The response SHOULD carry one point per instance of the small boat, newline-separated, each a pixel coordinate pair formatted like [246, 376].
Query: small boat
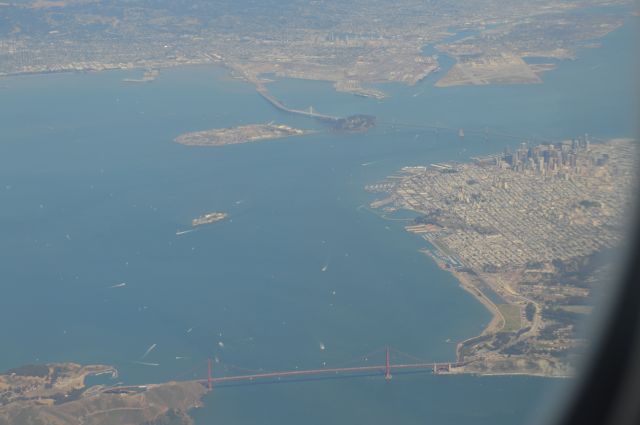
[148, 364]
[149, 350]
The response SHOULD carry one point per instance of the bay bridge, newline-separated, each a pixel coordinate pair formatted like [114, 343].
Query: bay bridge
[262, 90]
[331, 119]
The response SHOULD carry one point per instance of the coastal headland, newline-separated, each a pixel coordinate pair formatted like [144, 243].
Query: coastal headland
[502, 69]
[56, 394]
[525, 232]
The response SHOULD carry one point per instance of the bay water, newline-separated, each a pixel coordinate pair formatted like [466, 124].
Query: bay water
[93, 190]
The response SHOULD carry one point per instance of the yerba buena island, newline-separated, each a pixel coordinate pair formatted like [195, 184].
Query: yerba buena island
[521, 231]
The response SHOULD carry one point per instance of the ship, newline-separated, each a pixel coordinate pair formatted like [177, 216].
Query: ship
[208, 218]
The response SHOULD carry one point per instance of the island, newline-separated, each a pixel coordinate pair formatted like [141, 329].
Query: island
[237, 135]
[529, 233]
[354, 124]
[56, 394]
[208, 218]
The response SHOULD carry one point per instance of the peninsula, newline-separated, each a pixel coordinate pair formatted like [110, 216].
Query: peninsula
[525, 232]
[56, 394]
[237, 135]
[502, 69]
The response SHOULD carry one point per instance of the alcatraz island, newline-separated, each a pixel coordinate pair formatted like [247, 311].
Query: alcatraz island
[526, 232]
[209, 218]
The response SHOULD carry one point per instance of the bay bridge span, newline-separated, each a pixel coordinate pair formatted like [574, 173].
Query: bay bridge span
[331, 119]
[486, 132]
[262, 90]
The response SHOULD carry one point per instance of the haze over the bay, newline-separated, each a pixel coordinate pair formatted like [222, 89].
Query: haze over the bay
[197, 194]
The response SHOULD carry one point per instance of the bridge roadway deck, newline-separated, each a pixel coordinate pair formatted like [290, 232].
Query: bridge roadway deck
[485, 132]
[275, 102]
[293, 373]
[326, 371]
[262, 90]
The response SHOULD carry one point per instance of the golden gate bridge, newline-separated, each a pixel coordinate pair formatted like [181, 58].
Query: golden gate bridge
[385, 369]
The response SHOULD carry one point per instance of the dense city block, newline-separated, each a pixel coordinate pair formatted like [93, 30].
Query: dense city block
[524, 231]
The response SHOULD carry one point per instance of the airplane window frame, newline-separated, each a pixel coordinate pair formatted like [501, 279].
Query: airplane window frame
[609, 387]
